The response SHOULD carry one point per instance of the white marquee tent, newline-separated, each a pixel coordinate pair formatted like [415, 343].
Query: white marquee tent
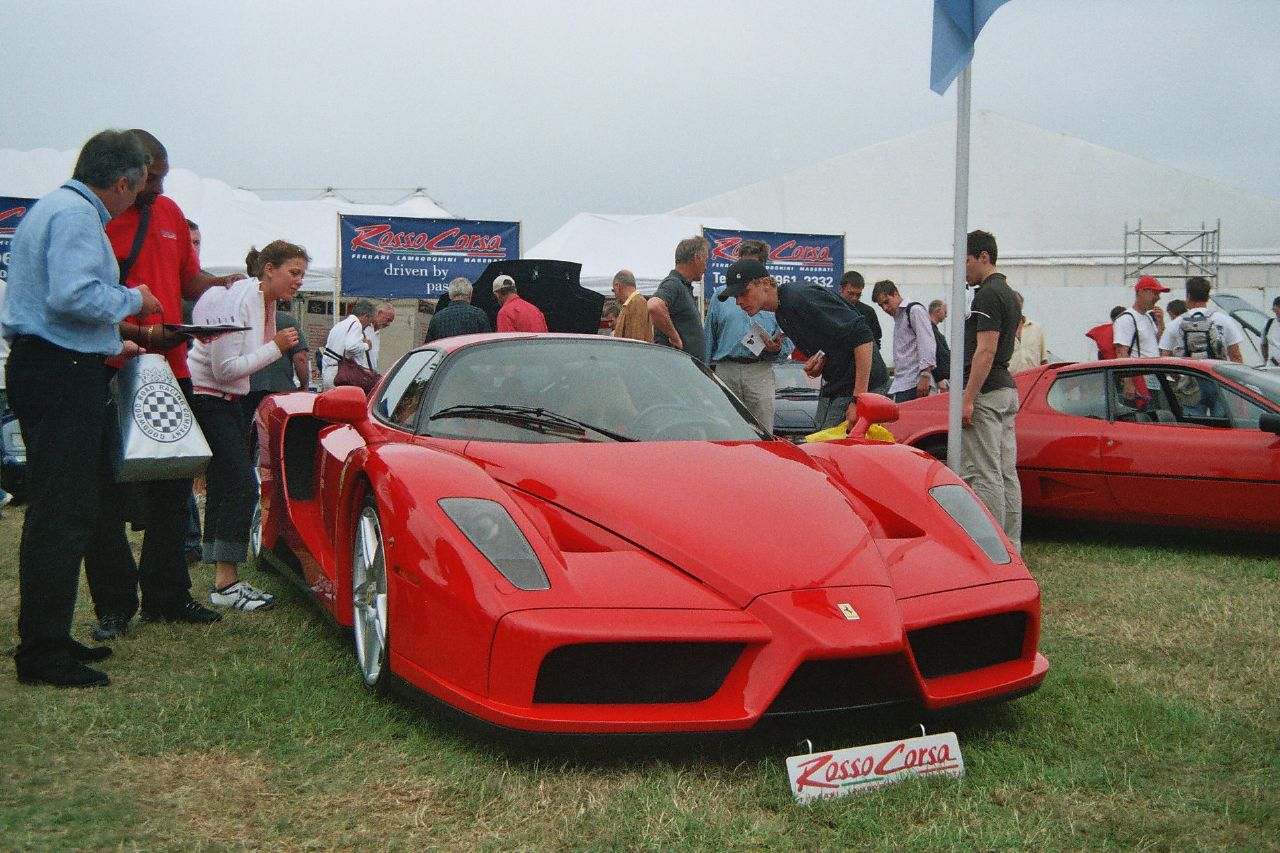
[605, 243]
[231, 220]
[1044, 195]
[1058, 206]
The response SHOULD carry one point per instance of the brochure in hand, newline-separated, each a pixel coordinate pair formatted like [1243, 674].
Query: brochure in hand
[205, 332]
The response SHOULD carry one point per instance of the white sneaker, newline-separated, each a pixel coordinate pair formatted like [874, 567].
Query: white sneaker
[242, 596]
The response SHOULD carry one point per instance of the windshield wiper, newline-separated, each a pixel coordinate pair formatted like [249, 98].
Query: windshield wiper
[541, 420]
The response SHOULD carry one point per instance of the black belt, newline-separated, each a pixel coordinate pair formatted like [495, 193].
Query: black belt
[737, 360]
[41, 343]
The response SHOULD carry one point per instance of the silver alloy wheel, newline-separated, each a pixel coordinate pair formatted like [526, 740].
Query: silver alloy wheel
[255, 532]
[369, 596]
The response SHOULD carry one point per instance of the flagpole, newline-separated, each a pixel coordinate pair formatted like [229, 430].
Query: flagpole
[959, 251]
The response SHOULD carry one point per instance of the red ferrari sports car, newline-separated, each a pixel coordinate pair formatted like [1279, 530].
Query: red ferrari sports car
[569, 533]
[1170, 441]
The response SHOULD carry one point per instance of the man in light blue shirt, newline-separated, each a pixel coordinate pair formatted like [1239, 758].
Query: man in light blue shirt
[60, 316]
[746, 373]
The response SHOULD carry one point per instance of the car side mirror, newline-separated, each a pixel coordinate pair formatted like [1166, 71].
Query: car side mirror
[1269, 422]
[872, 409]
[345, 404]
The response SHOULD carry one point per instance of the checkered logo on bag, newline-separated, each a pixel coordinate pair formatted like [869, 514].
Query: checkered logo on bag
[161, 413]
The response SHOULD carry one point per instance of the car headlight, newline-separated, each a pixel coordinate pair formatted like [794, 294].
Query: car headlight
[491, 529]
[959, 503]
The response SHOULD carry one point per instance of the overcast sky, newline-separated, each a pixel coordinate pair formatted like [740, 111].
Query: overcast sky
[535, 111]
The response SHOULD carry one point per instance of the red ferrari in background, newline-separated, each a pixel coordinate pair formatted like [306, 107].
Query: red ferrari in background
[1170, 441]
[584, 534]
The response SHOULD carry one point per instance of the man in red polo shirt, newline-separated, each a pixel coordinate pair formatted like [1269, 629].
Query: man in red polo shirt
[163, 258]
[516, 314]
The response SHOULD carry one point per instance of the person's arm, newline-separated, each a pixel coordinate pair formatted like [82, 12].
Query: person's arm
[1119, 334]
[302, 368]
[926, 349]
[200, 281]
[354, 344]
[862, 367]
[229, 356]
[660, 314]
[983, 357]
[75, 288]
[861, 378]
[712, 331]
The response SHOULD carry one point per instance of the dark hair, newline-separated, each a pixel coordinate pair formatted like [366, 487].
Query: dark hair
[109, 156]
[1198, 288]
[1116, 312]
[754, 249]
[149, 142]
[363, 308]
[191, 226]
[853, 277]
[883, 288]
[982, 241]
[275, 253]
[1176, 308]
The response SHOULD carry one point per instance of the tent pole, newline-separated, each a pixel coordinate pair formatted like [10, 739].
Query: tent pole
[959, 252]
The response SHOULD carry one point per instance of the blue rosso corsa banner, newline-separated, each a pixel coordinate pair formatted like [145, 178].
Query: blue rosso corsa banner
[11, 212]
[815, 258]
[392, 257]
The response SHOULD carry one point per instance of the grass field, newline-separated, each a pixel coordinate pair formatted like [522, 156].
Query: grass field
[1156, 730]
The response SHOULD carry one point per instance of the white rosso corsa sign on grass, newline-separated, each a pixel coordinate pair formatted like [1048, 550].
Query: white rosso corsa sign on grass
[821, 775]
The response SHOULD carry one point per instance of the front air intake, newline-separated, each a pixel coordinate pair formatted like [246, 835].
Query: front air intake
[972, 644]
[634, 673]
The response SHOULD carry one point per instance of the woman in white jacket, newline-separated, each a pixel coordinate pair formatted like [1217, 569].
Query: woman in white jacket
[220, 371]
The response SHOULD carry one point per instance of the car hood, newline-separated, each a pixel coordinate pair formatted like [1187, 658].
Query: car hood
[744, 518]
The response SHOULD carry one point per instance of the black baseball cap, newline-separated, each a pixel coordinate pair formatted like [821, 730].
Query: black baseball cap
[739, 276]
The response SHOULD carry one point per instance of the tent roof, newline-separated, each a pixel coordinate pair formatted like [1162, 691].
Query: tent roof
[1041, 193]
[605, 243]
[231, 220]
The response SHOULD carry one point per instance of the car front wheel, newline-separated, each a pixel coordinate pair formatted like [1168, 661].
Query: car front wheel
[369, 597]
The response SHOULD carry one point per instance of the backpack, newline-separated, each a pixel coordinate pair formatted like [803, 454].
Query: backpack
[1102, 335]
[1201, 337]
[942, 371]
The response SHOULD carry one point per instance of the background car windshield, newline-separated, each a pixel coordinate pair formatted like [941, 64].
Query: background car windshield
[1261, 382]
[790, 376]
[637, 391]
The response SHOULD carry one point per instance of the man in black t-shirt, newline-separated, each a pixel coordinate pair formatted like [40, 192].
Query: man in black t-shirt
[989, 451]
[822, 325]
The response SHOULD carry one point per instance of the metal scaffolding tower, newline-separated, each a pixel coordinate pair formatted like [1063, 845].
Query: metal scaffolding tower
[1196, 251]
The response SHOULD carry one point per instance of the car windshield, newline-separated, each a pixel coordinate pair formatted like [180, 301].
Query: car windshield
[1265, 383]
[789, 377]
[557, 390]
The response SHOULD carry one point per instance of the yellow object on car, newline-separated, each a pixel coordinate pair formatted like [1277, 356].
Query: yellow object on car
[875, 432]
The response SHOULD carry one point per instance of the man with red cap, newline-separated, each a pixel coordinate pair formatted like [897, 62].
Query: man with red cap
[1136, 333]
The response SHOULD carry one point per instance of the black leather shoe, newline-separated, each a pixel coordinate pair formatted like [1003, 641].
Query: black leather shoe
[110, 627]
[191, 612]
[67, 674]
[86, 654]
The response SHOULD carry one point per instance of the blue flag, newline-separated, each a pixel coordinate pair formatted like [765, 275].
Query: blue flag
[956, 24]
